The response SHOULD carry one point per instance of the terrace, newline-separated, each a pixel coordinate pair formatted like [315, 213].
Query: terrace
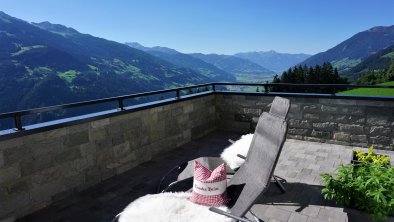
[90, 167]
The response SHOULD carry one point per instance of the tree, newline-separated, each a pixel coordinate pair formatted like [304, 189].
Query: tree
[275, 80]
[319, 74]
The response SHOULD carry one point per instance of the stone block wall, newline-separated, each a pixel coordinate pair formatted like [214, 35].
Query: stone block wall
[359, 123]
[41, 167]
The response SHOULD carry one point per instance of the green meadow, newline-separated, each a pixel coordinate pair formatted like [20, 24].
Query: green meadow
[371, 91]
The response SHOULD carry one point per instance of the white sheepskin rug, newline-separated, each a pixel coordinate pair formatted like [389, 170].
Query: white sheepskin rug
[169, 207]
[240, 146]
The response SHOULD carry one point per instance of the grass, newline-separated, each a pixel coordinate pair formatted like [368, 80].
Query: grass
[253, 78]
[387, 84]
[250, 88]
[7, 34]
[94, 69]
[69, 75]
[371, 91]
[346, 63]
[389, 55]
[122, 68]
[24, 49]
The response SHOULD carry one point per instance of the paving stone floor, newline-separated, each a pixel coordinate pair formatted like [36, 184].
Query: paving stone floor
[301, 164]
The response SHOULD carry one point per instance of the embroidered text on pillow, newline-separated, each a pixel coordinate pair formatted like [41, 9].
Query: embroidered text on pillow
[209, 187]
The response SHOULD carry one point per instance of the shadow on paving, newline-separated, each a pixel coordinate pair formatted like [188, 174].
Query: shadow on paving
[300, 196]
[100, 203]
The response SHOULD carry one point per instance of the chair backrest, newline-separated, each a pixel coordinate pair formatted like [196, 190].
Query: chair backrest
[280, 107]
[254, 176]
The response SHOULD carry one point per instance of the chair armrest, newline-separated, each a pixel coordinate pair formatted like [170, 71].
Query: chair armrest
[241, 156]
[180, 185]
[116, 218]
[173, 170]
[224, 213]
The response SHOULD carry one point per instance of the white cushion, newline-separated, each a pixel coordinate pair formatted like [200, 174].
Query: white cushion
[241, 146]
[169, 207]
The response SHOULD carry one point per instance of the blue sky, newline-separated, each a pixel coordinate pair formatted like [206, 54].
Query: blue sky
[213, 26]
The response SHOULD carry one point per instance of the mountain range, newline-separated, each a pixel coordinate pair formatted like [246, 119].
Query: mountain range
[275, 61]
[243, 69]
[217, 67]
[252, 64]
[354, 50]
[187, 61]
[44, 64]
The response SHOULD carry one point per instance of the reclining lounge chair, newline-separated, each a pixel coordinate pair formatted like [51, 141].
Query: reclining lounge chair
[253, 177]
[184, 172]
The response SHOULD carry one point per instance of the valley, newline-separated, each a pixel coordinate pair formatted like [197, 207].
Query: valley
[44, 64]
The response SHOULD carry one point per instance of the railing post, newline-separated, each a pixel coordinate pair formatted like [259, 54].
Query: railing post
[265, 88]
[177, 94]
[120, 105]
[18, 123]
[213, 87]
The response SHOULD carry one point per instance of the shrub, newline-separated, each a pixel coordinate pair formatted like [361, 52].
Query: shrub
[372, 157]
[367, 187]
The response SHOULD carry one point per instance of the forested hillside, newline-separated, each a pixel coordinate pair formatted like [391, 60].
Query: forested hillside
[377, 68]
[44, 64]
[356, 49]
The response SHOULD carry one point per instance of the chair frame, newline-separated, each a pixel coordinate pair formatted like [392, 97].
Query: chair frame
[276, 179]
[276, 121]
[279, 107]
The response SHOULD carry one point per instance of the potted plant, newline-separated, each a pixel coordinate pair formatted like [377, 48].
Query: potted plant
[370, 157]
[367, 185]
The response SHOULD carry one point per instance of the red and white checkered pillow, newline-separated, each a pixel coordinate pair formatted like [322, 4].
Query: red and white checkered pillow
[209, 187]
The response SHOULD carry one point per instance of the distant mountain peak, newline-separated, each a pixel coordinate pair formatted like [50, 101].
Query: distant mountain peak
[4, 17]
[56, 28]
[136, 45]
[272, 52]
[273, 60]
[3, 14]
[186, 61]
[237, 66]
[381, 28]
[166, 50]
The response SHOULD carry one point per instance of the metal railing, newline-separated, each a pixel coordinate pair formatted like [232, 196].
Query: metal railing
[17, 116]
[267, 86]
